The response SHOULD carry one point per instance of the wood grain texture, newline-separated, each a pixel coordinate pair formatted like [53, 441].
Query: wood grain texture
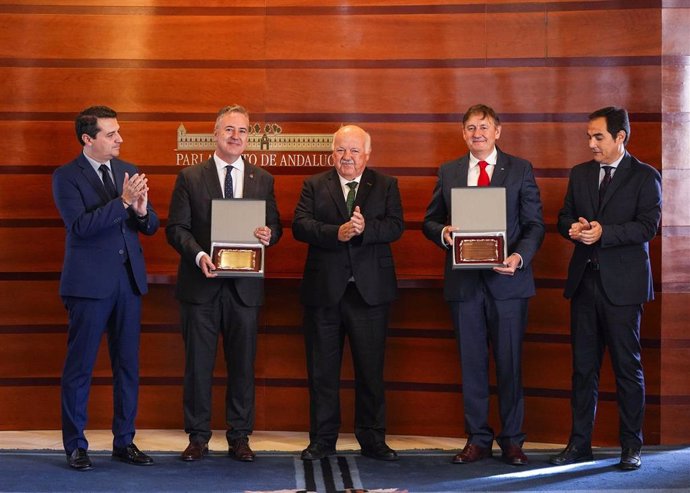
[406, 72]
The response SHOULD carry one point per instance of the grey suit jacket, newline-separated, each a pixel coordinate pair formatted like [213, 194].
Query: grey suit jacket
[629, 215]
[189, 228]
[525, 226]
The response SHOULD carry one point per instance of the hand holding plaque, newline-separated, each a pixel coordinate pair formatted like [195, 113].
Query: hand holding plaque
[478, 216]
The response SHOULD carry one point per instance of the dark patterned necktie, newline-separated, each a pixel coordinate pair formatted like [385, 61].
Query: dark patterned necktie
[605, 182]
[350, 201]
[229, 194]
[107, 182]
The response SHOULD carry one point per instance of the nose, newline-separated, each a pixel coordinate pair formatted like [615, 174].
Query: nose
[118, 138]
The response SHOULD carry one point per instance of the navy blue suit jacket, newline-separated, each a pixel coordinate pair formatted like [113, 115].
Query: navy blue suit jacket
[524, 221]
[629, 215]
[100, 231]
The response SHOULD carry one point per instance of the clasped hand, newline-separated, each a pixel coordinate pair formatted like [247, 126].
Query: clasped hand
[135, 192]
[584, 231]
[352, 228]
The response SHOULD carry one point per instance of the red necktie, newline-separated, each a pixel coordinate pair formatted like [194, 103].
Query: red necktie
[483, 180]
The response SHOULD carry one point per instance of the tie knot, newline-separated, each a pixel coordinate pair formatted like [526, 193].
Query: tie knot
[483, 164]
[352, 185]
[607, 170]
[104, 168]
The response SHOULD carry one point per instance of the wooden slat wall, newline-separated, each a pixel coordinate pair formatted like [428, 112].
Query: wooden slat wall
[405, 71]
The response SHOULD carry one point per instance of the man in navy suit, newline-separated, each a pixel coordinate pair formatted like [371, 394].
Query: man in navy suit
[490, 305]
[104, 204]
[611, 211]
[349, 216]
[212, 306]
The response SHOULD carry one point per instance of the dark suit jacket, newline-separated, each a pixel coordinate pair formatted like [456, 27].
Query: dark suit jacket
[189, 228]
[524, 220]
[98, 228]
[368, 257]
[629, 215]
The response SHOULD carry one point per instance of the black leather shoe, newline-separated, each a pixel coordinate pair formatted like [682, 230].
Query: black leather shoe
[194, 451]
[380, 451]
[572, 454]
[79, 460]
[630, 459]
[317, 451]
[132, 455]
[239, 449]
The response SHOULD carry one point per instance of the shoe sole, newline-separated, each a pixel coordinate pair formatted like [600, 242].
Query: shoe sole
[387, 459]
[115, 457]
[194, 459]
[589, 458]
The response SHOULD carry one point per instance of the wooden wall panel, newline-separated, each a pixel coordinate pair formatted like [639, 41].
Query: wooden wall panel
[378, 90]
[139, 37]
[580, 34]
[311, 90]
[405, 72]
[551, 147]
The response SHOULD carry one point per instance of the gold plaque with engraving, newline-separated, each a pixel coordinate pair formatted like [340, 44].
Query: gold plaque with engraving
[236, 259]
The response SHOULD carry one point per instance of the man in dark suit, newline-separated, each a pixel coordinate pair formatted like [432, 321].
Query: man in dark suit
[104, 204]
[490, 305]
[211, 306]
[611, 210]
[348, 216]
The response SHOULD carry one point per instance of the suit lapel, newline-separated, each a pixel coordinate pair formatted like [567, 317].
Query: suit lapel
[498, 177]
[336, 192]
[459, 178]
[621, 174]
[210, 174]
[366, 183]
[593, 185]
[92, 177]
[118, 174]
[250, 185]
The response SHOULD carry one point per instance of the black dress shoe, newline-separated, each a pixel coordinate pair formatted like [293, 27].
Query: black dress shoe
[132, 455]
[79, 460]
[630, 459]
[317, 451]
[239, 449]
[572, 454]
[194, 451]
[380, 451]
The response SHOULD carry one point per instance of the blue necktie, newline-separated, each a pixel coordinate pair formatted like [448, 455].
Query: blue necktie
[229, 194]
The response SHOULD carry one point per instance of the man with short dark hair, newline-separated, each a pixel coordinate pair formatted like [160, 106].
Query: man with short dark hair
[490, 304]
[103, 202]
[611, 211]
[212, 306]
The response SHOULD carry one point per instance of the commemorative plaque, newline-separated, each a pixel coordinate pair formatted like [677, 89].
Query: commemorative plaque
[480, 215]
[235, 251]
